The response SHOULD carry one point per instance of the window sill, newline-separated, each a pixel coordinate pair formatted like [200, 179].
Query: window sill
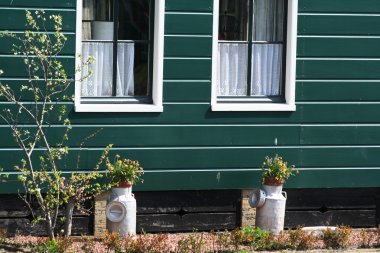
[244, 107]
[118, 108]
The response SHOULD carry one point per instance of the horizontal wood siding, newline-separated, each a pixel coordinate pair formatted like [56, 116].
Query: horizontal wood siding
[13, 19]
[62, 4]
[239, 178]
[14, 66]
[338, 24]
[333, 136]
[154, 136]
[178, 69]
[195, 5]
[188, 46]
[342, 47]
[221, 158]
[315, 90]
[7, 45]
[200, 113]
[338, 68]
[190, 91]
[339, 6]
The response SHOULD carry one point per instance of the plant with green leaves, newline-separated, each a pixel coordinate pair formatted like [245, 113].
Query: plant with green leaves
[60, 245]
[80, 187]
[40, 171]
[276, 171]
[124, 170]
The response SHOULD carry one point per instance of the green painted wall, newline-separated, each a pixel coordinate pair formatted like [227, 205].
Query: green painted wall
[333, 137]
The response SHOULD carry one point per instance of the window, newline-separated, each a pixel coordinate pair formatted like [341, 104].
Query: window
[254, 47]
[126, 39]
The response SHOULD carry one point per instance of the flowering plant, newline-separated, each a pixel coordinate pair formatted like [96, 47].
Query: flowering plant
[124, 170]
[276, 170]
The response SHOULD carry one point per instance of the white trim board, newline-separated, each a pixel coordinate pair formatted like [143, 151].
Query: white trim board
[291, 47]
[156, 106]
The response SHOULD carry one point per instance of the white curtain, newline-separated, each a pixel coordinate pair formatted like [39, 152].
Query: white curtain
[125, 77]
[232, 69]
[99, 84]
[266, 58]
[266, 69]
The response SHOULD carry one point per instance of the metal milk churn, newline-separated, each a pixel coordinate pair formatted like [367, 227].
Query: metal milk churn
[121, 212]
[270, 212]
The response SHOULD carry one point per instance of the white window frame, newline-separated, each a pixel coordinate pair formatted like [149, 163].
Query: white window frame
[290, 74]
[158, 56]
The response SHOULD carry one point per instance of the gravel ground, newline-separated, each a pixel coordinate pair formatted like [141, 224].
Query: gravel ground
[22, 243]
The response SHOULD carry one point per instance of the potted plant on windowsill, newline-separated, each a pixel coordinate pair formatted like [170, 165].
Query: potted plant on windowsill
[124, 173]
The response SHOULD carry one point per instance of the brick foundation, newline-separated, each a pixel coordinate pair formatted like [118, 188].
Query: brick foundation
[100, 214]
[248, 214]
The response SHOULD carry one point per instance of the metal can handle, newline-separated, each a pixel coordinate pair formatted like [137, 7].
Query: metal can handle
[285, 194]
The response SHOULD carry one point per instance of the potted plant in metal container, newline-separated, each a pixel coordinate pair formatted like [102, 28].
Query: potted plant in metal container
[271, 201]
[124, 173]
[121, 207]
[276, 171]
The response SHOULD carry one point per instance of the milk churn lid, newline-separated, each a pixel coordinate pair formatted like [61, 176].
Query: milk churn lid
[115, 211]
[257, 198]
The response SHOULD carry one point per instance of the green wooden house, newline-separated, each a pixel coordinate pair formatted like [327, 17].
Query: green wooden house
[200, 91]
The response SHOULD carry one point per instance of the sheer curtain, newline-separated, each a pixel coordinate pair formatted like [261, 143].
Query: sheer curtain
[125, 63]
[266, 58]
[232, 69]
[99, 84]
[266, 69]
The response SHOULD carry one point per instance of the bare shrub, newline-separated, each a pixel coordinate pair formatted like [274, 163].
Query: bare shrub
[301, 240]
[338, 238]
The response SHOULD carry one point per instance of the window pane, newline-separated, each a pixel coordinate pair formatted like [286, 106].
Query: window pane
[97, 20]
[233, 20]
[266, 70]
[142, 69]
[134, 20]
[132, 69]
[125, 69]
[99, 84]
[134, 39]
[88, 16]
[232, 69]
[268, 18]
